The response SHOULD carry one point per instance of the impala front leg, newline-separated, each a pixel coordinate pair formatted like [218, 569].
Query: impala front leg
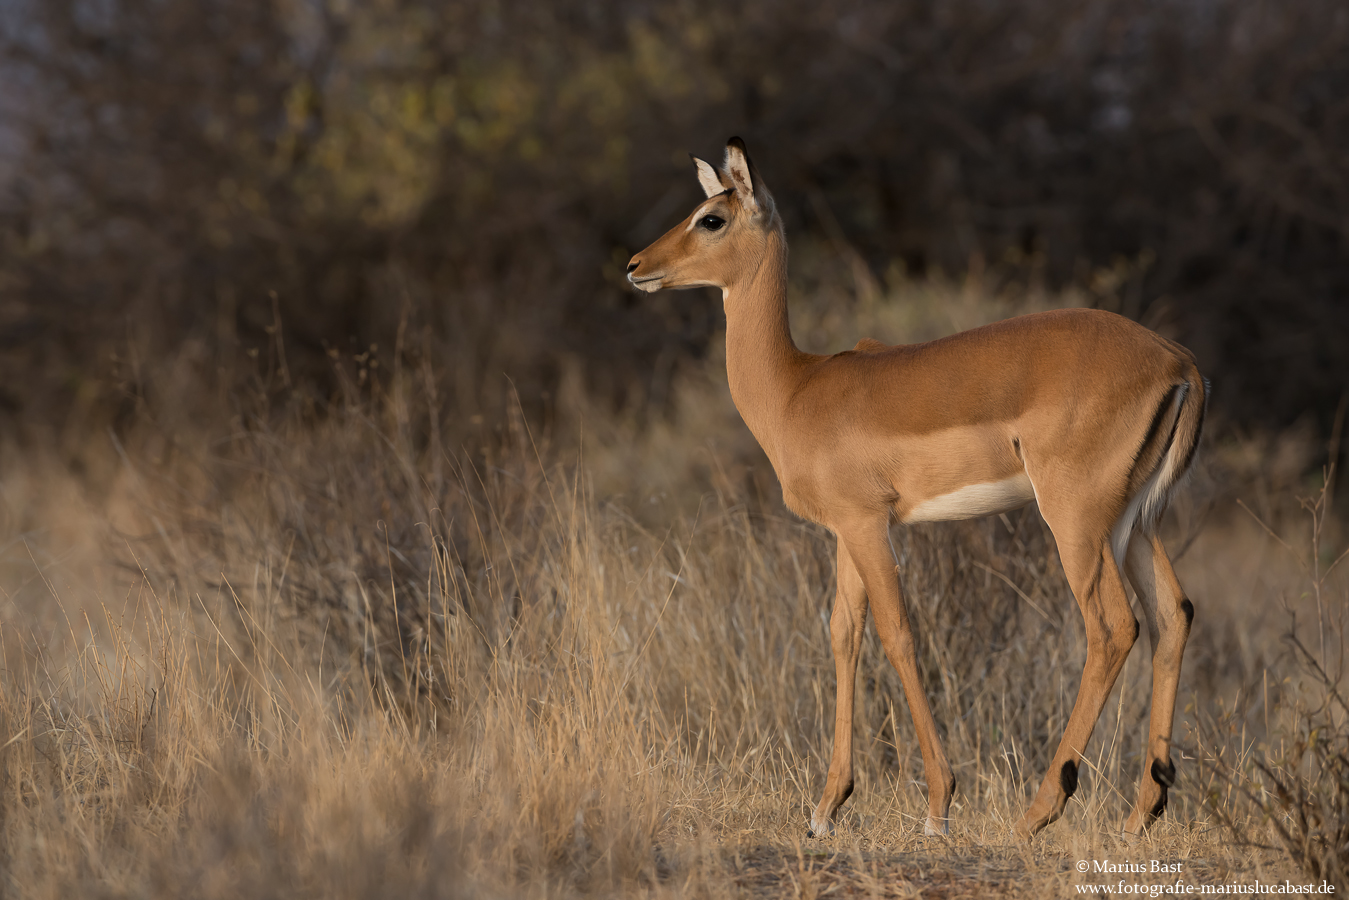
[869, 546]
[845, 634]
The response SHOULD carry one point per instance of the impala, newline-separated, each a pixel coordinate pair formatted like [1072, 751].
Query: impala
[1089, 414]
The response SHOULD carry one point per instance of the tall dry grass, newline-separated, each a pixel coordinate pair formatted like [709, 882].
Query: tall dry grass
[1289, 789]
[357, 651]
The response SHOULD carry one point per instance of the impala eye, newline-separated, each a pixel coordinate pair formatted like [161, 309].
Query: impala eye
[711, 223]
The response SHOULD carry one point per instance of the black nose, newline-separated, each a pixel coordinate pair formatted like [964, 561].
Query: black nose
[632, 266]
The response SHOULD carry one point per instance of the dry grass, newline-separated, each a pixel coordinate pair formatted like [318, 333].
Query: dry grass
[332, 654]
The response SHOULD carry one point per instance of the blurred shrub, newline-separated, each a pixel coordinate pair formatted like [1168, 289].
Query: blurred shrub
[310, 177]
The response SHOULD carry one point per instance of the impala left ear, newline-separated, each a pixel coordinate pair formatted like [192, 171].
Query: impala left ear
[709, 177]
[749, 187]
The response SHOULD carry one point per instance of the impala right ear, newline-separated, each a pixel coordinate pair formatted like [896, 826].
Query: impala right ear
[709, 178]
[743, 176]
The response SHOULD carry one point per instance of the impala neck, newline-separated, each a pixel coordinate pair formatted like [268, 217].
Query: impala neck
[762, 361]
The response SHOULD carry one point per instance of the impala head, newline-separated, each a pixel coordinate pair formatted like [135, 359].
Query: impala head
[723, 238]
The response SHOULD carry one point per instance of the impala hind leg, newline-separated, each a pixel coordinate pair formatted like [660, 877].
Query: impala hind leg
[869, 546]
[1111, 632]
[845, 634]
[1168, 615]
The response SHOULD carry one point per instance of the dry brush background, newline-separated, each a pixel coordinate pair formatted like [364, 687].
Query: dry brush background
[361, 535]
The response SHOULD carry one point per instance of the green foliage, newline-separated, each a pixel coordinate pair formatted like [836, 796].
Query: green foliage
[179, 162]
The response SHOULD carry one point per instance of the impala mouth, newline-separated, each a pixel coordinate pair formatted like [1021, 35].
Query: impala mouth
[648, 283]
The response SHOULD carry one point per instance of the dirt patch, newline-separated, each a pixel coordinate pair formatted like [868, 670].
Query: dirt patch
[788, 872]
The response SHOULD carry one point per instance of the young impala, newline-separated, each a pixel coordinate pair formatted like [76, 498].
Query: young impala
[1090, 415]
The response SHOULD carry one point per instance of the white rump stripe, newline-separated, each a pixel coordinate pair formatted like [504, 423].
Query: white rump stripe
[975, 500]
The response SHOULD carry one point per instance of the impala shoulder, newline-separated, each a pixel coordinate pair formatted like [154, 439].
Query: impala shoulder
[866, 348]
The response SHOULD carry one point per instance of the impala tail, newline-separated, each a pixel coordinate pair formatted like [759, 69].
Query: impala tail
[1164, 458]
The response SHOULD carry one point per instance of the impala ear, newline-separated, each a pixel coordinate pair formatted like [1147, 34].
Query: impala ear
[745, 178]
[709, 177]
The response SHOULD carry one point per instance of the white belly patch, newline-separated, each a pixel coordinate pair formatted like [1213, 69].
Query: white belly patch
[975, 500]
